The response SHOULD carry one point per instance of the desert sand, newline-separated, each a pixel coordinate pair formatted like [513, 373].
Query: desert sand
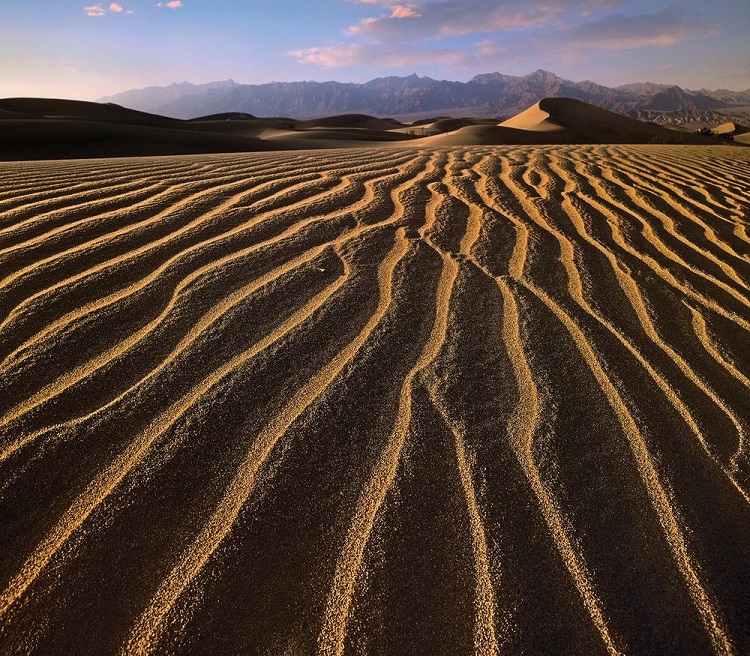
[38, 129]
[420, 398]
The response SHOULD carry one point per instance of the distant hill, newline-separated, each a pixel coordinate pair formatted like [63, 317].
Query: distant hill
[676, 99]
[152, 99]
[412, 97]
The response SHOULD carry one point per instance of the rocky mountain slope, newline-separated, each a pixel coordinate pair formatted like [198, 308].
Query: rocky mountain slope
[413, 96]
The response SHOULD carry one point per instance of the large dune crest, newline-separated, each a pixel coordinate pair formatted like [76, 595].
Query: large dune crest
[566, 120]
[436, 401]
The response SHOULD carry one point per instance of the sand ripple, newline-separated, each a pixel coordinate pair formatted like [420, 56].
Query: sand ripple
[465, 400]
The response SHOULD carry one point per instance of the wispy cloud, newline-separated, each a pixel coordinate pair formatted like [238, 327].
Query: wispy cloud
[342, 55]
[464, 17]
[353, 54]
[402, 11]
[172, 4]
[621, 32]
[490, 48]
[99, 10]
[95, 10]
[568, 29]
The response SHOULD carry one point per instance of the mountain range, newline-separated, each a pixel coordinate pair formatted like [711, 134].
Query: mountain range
[413, 97]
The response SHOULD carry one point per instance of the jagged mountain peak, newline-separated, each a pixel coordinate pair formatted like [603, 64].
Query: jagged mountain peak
[487, 94]
[540, 73]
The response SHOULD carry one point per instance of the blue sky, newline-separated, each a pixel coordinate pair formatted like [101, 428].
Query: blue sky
[74, 49]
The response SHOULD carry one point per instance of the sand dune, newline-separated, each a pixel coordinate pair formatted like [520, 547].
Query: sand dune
[554, 121]
[38, 128]
[421, 400]
[739, 133]
[537, 119]
[565, 120]
[731, 128]
[486, 135]
[51, 108]
[351, 121]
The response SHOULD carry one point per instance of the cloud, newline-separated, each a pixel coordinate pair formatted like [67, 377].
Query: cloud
[95, 10]
[438, 33]
[490, 48]
[402, 11]
[99, 10]
[353, 54]
[385, 3]
[447, 18]
[620, 32]
[334, 56]
[341, 55]
[172, 4]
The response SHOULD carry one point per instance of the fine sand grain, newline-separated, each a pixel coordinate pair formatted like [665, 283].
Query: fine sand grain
[432, 400]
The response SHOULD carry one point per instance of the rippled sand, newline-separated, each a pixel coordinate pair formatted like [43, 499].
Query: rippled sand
[461, 400]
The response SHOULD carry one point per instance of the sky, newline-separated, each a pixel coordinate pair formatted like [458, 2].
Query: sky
[86, 50]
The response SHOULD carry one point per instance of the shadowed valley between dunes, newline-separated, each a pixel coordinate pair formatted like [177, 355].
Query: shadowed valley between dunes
[432, 399]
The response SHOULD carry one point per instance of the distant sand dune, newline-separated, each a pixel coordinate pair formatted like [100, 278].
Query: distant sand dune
[432, 400]
[40, 128]
[565, 120]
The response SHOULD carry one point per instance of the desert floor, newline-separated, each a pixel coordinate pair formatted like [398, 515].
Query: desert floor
[377, 401]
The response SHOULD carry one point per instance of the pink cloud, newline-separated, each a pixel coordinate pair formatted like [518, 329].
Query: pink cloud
[172, 4]
[490, 48]
[95, 10]
[330, 56]
[408, 33]
[620, 32]
[432, 19]
[402, 11]
[361, 27]
[99, 10]
[354, 54]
